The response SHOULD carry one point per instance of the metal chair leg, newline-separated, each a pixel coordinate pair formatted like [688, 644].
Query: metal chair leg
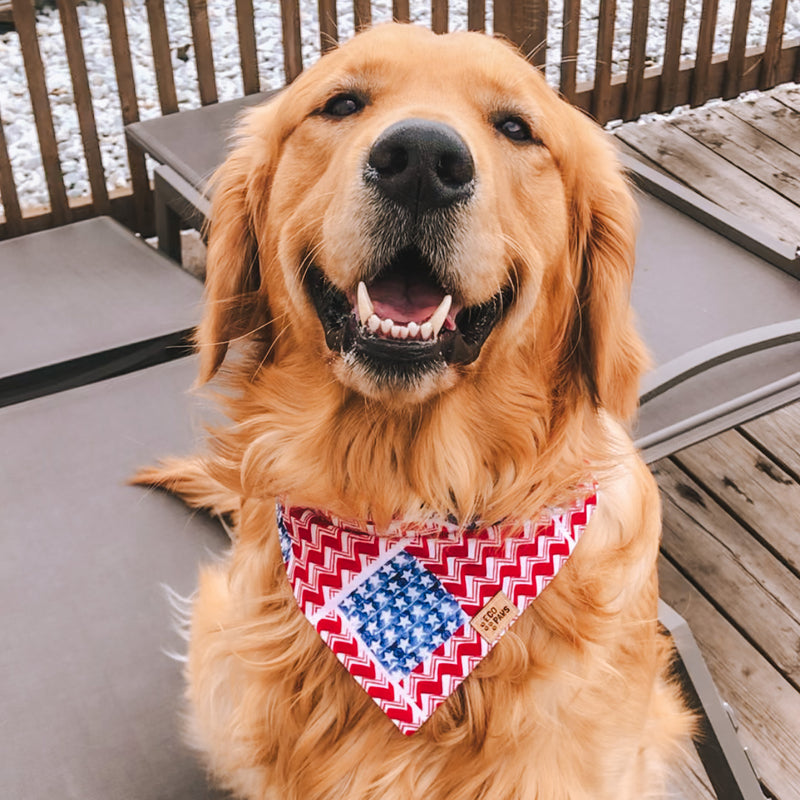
[177, 203]
[168, 223]
[725, 760]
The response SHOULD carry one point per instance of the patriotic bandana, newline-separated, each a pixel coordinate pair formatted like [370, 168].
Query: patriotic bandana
[412, 613]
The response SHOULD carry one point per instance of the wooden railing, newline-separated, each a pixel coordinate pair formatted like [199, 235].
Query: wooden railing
[625, 94]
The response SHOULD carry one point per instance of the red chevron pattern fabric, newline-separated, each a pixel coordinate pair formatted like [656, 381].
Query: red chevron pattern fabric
[412, 613]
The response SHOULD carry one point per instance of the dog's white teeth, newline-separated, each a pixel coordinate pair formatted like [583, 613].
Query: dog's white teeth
[412, 330]
[365, 307]
[440, 315]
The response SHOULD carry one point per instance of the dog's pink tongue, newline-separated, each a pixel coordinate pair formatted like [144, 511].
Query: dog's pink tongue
[402, 302]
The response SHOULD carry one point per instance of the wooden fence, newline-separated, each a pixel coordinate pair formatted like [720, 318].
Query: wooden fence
[622, 95]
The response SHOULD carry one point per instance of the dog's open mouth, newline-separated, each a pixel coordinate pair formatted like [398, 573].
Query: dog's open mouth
[403, 319]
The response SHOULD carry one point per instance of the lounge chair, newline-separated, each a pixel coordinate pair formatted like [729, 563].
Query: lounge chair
[718, 302]
[91, 705]
[84, 302]
[91, 700]
[189, 146]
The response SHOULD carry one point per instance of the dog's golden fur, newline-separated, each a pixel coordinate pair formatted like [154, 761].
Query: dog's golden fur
[573, 702]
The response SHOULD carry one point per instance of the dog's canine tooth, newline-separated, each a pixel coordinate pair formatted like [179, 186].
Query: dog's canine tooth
[426, 330]
[365, 307]
[440, 315]
[373, 323]
[386, 325]
[413, 329]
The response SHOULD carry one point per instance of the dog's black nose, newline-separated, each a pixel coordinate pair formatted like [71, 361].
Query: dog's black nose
[421, 164]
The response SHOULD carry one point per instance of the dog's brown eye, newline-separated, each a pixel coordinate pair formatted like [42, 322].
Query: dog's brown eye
[343, 105]
[515, 129]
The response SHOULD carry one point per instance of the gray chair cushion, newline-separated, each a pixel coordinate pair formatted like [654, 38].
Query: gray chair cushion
[696, 290]
[86, 301]
[193, 143]
[90, 703]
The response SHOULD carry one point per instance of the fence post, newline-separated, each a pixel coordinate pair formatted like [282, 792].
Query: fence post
[292, 45]
[701, 89]
[524, 22]
[83, 104]
[25, 23]
[602, 74]
[8, 189]
[638, 46]
[362, 14]
[162, 59]
[733, 69]
[668, 85]
[570, 36]
[328, 25]
[476, 15]
[203, 51]
[248, 51]
[439, 16]
[772, 52]
[129, 104]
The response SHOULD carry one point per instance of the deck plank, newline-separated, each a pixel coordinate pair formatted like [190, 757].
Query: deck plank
[788, 95]
[758, 593]
[731, 511]
[690, 781]
[766, 705]
[707, 173]
[779, 434]
[772, 118]
[626, 149]
[753, 487]
[747, 148]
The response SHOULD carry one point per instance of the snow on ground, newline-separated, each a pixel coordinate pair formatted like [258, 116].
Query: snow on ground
[17, 117]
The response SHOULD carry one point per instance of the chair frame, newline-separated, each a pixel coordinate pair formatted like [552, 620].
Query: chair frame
[726, 761]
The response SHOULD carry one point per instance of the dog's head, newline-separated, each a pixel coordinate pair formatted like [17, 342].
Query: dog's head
[415, 207]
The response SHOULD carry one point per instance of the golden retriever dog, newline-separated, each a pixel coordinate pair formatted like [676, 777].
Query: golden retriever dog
[419, 268]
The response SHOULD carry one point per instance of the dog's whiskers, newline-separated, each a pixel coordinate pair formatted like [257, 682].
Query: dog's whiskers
[181, 608]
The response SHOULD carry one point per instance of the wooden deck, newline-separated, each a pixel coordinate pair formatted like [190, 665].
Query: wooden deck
[730, 559]
[730, 566]
[743, 155]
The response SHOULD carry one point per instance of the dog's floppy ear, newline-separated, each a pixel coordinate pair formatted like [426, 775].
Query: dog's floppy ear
[235, 302]
[609, 353]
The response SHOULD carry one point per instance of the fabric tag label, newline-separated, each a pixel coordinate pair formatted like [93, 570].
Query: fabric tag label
[495, 618]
